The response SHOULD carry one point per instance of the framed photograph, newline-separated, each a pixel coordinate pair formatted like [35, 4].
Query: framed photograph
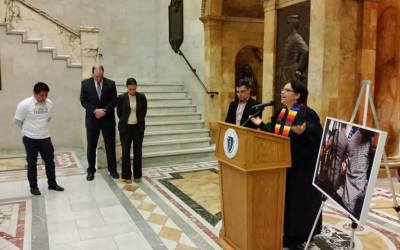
[348, 163]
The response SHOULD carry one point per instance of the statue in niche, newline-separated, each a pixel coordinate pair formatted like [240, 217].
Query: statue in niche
[387, 90]
[295, 54]
[248, 76]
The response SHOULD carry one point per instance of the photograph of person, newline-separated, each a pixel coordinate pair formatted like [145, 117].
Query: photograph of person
[348, 155]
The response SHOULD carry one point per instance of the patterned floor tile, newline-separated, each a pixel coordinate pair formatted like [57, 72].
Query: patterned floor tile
[14, 168]
[193, 191]
[15, 224]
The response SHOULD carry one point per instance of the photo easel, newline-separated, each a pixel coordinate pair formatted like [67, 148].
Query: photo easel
[365, 90]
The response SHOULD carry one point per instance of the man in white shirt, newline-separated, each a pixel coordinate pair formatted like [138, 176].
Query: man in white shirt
[33, 116]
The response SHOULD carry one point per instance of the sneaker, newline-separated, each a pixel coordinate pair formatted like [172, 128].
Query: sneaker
[137, 180]
[56, 188]
[35, 191]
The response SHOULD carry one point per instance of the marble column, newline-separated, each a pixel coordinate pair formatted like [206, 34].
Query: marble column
[270, 28]
[387, 70]
[317, 56]
[213, 69]
[368, 49]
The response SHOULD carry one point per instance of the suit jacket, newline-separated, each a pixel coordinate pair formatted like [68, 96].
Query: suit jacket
[124, 110]
[231, 116]
[90, 101]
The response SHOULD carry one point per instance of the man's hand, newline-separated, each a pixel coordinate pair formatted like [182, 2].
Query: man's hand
[99, 113]
[299, 129]
[256, 120]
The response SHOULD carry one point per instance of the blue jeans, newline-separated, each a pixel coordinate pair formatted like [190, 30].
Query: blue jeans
[46, 150]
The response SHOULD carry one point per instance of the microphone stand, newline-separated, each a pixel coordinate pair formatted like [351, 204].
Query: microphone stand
[251, 116]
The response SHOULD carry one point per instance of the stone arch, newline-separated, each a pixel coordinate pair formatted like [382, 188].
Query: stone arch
[233, 8]
[212, 7]
[252, 56]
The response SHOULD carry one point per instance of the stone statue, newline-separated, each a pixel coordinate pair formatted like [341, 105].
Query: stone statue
[247, 75]
[295, 57]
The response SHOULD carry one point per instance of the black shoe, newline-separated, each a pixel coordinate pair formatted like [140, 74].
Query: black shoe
[90, 177]
[56, 188]
[35, 191]
[114, 175]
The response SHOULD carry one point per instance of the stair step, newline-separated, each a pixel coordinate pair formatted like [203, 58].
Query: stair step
[61, 57]
[32, 40]
[47, 48]
[174, 125]
[74, 65]
[166, 95]
[154, 117]
[171, 109]
[146, 87]
[173, 157]
[177, 134]
[180, 144]
[169, 102]
[16, 32]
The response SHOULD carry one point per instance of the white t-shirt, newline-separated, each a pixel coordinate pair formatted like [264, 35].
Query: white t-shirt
[35, 117]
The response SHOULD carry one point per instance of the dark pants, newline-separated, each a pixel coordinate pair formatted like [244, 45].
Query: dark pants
[132, 135]
[46, 150]
[92, 136]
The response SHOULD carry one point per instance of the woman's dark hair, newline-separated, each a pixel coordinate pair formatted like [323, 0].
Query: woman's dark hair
[40, 87]
[299, 88]
[131, 81]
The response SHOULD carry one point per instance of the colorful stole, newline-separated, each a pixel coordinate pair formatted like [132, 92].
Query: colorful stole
[288, 122]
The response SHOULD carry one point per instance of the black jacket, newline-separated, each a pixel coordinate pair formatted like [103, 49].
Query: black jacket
[124, 110]
[90, 101]
[231, 116]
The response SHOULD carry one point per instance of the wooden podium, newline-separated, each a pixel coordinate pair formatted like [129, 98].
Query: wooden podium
[252, 187]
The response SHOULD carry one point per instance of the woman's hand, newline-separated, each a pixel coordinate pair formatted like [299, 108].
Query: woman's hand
[256, 120]
[299, 129]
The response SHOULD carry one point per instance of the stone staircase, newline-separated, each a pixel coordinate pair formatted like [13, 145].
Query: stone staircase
[78, 47]
[40, 46]
[175, 131]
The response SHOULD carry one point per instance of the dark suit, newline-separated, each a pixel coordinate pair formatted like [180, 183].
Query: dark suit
[90, 101]
[131, 134]
[231, 116]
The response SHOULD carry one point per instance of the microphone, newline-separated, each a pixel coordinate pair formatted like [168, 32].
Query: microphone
[257, 109]
[262, 105]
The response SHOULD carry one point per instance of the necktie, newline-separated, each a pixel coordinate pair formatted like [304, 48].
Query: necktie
[98, 89]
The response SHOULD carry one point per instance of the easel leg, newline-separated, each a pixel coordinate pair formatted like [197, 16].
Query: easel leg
[353, 232]
[315, 223]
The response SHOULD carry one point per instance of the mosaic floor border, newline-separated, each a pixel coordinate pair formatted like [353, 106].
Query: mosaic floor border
[67, 163]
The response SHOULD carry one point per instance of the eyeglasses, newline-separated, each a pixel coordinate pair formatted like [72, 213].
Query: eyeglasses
[287, 90]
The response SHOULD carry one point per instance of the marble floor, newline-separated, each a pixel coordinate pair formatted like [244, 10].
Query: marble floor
[174, 207]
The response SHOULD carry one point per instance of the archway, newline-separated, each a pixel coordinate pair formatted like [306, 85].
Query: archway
[252, 56]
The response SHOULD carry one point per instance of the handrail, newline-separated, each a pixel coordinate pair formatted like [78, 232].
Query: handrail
[48, 17]
[211, 93]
